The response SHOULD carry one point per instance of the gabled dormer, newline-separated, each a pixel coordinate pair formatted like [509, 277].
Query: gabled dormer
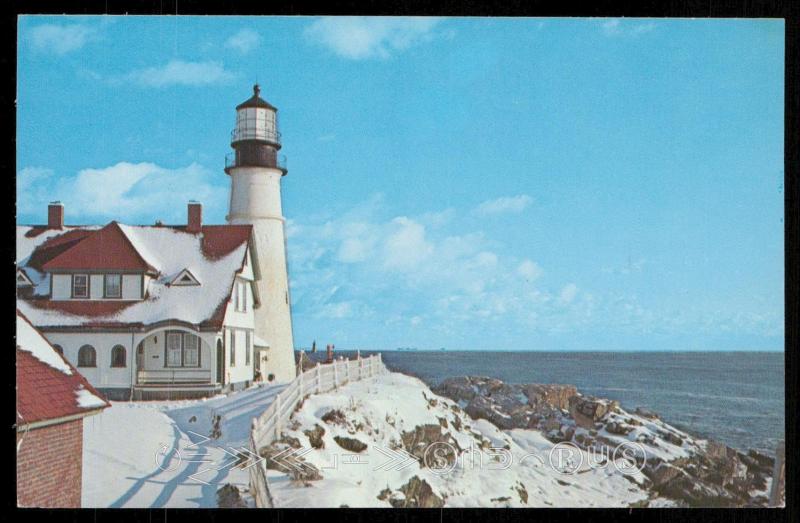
[185, 278]
[23, 280]
[105, 265]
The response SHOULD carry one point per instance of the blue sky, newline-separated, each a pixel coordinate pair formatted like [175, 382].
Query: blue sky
[517, 184]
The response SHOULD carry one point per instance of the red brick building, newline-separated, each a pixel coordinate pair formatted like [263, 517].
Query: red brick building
[52, 400]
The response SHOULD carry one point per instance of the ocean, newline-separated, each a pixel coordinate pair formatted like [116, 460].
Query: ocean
[736, 398]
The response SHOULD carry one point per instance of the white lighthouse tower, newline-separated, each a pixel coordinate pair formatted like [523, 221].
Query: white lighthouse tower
[256, 171]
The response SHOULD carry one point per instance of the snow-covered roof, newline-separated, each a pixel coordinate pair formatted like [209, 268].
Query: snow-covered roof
[215, 256]
[48, 387]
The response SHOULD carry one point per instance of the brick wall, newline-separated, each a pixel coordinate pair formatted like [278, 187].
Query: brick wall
[49, 463]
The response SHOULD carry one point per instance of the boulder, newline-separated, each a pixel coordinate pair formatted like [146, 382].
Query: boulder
[556, 396]
[416, 442]
[618, 428]
[315, 437]
[587, 410]
[351, 444]
[481, 407]
[417, 493]
[229, 497]
[334, 417]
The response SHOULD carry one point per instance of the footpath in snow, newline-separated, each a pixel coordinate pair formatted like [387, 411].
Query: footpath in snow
[160, 453]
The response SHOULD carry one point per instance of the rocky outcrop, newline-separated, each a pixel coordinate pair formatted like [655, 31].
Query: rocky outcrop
[699, 473]
[587, 410]
[350, 444]
[423, 437]
[417, 493]
[228, 496]
[315, 437]
[279, 456]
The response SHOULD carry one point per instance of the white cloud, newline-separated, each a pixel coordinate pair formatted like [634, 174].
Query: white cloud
[125, 191]
[568, 293]
[179, 72]
[243, 41]
[359, 38]
[506, 204]
[529, 270]
[406, 246]
[60, 39]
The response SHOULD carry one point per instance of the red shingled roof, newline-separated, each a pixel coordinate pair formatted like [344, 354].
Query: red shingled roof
[107, 248]
[54, 246]
[44, 392]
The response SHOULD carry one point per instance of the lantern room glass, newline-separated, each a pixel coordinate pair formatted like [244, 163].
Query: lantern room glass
[256, 123]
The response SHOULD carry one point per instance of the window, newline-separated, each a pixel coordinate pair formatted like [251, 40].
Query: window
[112, 286]
[182, 349]
[174, 349]
[247, 348]
[233, 348]
[80, 286]
[87, 357]
[191, 350]
[59, 349]
[244, 296]
[236, 296]
[118, 358]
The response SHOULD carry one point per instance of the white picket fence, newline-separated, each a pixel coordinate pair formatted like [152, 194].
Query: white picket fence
[268, 426]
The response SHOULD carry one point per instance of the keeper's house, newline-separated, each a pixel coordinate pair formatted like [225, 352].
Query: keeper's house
[145, 312]
[52, 400]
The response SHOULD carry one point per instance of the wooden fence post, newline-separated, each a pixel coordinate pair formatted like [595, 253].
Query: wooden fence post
[778, 471]
[278, 416]
[300, 386]
[335, 375]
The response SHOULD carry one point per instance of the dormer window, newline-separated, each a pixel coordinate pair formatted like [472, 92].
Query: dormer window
[112, 286]
[80, 285]
[22, 279]
[185, 278]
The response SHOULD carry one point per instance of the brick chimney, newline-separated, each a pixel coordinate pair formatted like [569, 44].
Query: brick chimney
[55, 215]
[195, 222]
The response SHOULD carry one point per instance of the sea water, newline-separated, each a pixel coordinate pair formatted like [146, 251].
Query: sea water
[736, 398]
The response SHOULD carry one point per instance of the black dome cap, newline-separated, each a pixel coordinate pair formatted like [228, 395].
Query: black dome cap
[256, 101]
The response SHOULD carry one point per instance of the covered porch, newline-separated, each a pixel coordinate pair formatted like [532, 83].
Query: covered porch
[178, 361]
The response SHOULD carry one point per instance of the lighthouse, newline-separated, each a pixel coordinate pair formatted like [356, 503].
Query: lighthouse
[255, 170]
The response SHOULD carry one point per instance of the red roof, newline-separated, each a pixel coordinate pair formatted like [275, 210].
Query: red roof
[54, 246]
[107, 248]
[45, 392]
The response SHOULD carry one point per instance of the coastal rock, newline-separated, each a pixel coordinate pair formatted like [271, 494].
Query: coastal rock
[335, 417]
[278, 457]
[481, 407]
[417, 493]
[587, 410]
[553, 395]
[350, 444]
[229, 497]
[699, 473]
[419, 440]
[315, 437]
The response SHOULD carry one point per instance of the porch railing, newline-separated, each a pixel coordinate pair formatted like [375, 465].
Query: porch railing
[267, 427]
[173, 376]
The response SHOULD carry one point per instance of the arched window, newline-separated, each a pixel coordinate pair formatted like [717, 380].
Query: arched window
[118, 358]
[59, 349]
[87, 356]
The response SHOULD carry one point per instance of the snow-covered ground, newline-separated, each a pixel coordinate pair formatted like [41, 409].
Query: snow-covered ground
[158, 454]
[379, 410]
